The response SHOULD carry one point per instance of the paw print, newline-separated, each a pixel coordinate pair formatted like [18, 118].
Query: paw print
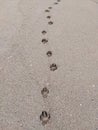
[44, 117]
[45, 92]
[53, 67]
[44, 41]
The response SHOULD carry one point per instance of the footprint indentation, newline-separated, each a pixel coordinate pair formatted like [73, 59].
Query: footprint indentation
[55, 3]
[44, 117]
[58, 0]
[47, 10]
[50, 22]
[53, 67]
[45, 92]
[49, 53]
[48, 17]
[49, 7]
[44, 41]
[44, 32]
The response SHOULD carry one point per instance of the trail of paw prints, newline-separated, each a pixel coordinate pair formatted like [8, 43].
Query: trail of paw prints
[45, 116]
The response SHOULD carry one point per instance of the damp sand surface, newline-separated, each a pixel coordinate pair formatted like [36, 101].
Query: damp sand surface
[68, 72]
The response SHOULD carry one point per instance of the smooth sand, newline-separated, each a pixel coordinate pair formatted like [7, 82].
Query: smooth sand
[24, 66]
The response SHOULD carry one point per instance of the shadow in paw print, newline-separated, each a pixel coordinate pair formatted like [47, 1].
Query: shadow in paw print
[44, 32]
[50, 22]
[53, 67]
[44, 117]
[55, 3]
[44, 92]
[58, 0]
[44, 41]
[49, 7]
[48, 17]
[47, 10]
[49, 53]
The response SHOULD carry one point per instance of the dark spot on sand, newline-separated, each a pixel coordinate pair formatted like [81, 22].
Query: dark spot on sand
[47, 10]
[55, 3]
[48, 17]
[50, 22]
[49, 53]
[45, 92]
[58, 0]
[49, 7]
[44, 32]
[44, 41]
[44, 117]
[53, 67]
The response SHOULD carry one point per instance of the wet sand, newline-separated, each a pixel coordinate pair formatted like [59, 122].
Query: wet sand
[49, 44]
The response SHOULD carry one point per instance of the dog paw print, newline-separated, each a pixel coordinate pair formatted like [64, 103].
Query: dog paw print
[49, 7]
[53, 67]
[45, 92]
[48, 17]
[47, 10]
[44, 117]
[44, 32]
[44, 41]
[50, 22]
[49, 53]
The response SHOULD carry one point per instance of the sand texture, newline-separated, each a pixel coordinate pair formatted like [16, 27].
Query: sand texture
[54, 48]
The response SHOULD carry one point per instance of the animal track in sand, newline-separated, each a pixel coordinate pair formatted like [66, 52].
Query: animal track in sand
[44, 117]
[49, 53]
[55, 3]
[53, 67]
[44, 41]
[44, 32]
[44, 92]
[47, 10]
[48, 17]
[50, 22]
[49, 7]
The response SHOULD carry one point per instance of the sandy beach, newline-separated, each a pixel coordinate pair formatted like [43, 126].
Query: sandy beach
[48, 64]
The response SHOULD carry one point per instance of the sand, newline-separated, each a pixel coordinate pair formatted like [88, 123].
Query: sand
[72, 37]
